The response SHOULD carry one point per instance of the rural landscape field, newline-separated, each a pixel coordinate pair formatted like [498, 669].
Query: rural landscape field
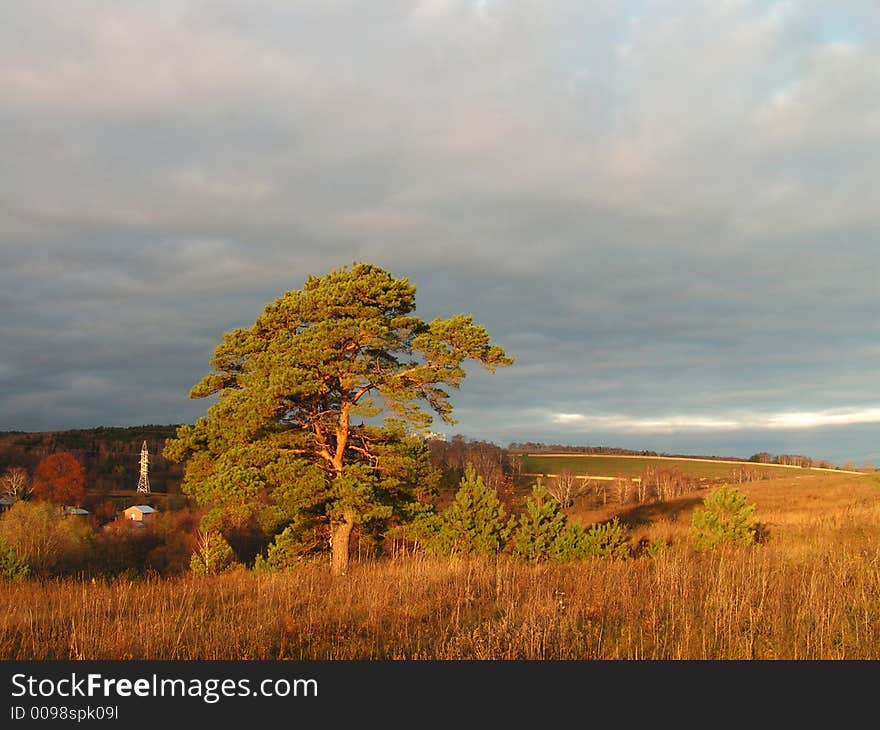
[310, 514]
[505, 335]
[807, 588]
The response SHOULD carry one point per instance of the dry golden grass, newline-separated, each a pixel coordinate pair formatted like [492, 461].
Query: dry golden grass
[811, 590]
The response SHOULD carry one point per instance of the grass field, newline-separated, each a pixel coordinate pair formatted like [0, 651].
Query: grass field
[633, 466]
[809, 590]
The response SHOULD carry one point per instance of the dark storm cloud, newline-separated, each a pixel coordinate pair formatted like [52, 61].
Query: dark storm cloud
[664, 211]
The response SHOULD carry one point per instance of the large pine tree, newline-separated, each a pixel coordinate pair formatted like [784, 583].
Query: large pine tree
[315, 402]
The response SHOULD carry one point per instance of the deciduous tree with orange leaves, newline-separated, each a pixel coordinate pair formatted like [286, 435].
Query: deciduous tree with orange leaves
[61, 479]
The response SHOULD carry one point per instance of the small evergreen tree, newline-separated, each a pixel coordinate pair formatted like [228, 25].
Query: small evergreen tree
[12, 567]
[540, 527]
[606, 540]
[289, 548]
[544, 533]
[213, 554]
[655, 547]
[570, 544]
[475, 522]
[724, 518]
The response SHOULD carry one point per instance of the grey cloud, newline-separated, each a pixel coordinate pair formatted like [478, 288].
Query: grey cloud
[662, 210]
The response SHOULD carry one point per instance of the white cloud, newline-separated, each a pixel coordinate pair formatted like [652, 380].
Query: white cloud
[686, 423]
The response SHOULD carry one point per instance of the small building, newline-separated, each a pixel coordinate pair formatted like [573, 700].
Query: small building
[6, 503]
[79, 511]
[138, 512]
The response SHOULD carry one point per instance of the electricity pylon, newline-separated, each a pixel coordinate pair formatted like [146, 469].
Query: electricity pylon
[144, 481]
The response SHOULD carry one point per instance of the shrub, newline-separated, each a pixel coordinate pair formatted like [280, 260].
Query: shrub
[175, 540]
[122, 548]
[474, 524]
[653, 548]
[164, 545]
[47, 540]
[725, 517]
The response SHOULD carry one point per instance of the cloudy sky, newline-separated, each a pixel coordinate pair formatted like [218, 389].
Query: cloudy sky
[667, 212]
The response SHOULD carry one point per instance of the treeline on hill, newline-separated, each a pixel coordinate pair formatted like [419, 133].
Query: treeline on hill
[763, 457]
[493, 463]
[542, 448]
[110, 456]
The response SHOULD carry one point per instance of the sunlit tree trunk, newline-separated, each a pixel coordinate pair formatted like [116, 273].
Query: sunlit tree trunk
[340, 537]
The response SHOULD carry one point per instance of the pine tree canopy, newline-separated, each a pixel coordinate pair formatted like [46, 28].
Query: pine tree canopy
[316, 401]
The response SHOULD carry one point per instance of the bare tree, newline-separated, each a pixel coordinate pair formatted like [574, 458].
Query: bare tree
[564, 487]
[641, 489]
[648, 485]
[212, 554]
[15, 483]
[517, 465]
[623, 487]
[602, 491]
[668, 482]
[741, 475]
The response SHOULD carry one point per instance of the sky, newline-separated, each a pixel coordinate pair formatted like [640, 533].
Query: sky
[666, 212]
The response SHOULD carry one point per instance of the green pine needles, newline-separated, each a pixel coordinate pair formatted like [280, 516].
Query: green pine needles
[474, 524]
[315, 406]
[544, 533]
[725, 518]
[540, 533]
[606, 540]
[291, 547]
[213, 555]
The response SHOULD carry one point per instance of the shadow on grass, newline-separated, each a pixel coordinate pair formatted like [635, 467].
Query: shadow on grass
[644, 514]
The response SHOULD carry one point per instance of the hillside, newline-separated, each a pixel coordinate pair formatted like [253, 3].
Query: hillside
[633, 466]
[110, 456]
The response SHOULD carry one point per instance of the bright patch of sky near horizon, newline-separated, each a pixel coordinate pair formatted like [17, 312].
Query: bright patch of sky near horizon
[666, 211]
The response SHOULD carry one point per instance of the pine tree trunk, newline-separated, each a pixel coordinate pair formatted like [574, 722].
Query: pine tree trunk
[340, 537]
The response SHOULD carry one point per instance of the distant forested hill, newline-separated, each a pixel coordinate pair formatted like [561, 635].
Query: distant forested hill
[111, 456]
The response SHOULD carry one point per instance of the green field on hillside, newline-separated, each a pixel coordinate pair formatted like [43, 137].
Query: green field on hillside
[613, 466]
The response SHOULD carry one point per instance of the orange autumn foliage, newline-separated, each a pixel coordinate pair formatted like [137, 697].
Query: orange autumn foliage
[61, 479]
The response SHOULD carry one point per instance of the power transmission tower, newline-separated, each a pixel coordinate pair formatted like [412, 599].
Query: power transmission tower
[144, 481]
